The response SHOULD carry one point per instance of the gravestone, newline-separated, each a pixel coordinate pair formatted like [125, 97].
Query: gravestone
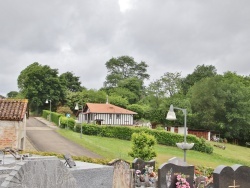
[177, 161]
[40, 173]
[139, 164]
[146, 177]
[233, 177]
[200, 182]
[123, 175]
[167, 175]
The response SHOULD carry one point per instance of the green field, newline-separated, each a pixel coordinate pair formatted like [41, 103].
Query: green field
[111, 148]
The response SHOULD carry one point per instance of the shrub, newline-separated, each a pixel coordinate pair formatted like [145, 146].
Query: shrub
[143, 146]
[54, 116]
[67, 123]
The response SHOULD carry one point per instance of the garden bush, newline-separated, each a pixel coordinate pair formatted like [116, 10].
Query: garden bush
[54, 116]
[66, 122]
[143, 146]
[163, 137]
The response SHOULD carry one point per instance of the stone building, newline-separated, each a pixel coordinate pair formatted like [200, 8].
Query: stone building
[13, 123]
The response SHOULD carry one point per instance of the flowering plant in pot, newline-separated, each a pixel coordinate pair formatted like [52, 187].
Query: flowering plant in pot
[182, 182]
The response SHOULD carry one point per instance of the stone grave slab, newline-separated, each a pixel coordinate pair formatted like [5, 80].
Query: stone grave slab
[177, 161]
[200, 182]
[40, 173]
[167, 175]
[147, 177]
[123, 175]
[139, 164]
[235, 176]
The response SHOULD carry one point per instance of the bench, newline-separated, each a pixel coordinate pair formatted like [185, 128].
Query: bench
[69, 161]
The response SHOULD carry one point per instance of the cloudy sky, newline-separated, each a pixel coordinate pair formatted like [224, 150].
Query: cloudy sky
[80, 36]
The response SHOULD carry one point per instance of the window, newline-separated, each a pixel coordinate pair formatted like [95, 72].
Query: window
[110, 116]
[118, 116]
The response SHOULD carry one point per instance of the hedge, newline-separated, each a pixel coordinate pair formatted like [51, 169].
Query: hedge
[163, 137]
[54, 116]
[66, 122]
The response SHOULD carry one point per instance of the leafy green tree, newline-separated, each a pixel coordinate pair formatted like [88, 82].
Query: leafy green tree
[138, 109]
[12, 94]
[71, 82]
[207, 101]
[85, 96]
[143, 146]
[155, 93]
[38, 83]
[118, 101]
[200, 72]
[124, 93]
[134, 85]
[124, 67]
[237, 110]
[221, 103]
[170, 83]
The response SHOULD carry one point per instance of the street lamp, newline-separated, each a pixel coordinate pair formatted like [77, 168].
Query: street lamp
[77, 108]
[171, 116]
[49, 101]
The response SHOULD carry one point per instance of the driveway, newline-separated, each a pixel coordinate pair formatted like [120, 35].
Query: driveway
[43, 137]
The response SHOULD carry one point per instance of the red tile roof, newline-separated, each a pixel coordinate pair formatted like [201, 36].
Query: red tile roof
[13, 109]
[106, 108]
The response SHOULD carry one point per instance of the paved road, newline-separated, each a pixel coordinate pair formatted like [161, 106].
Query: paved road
[44, 138]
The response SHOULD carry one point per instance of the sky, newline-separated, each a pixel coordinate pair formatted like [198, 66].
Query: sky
[80, 36]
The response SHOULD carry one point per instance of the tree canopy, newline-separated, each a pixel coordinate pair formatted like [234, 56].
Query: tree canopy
[217, 102]
[70, 81]
[38, 83]
[124, 67]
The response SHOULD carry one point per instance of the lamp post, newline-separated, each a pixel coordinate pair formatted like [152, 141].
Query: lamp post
[77, 108]
[49, 101]
[171, 116]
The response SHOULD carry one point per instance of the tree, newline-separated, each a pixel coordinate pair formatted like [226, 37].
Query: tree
[85, 96]
[207, 101]
[170, 83]
[71, 82]
[237, 109]
[221, 103]
[124, 93]
[124, 67]
[134, 85]
[138, 109]
[143, 146]
[200, 72]
[118, 101]
[38, 83]
[12, 94]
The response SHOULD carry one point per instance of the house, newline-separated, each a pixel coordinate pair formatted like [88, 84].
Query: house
[13, 123]
[105, 114]
[199, 133]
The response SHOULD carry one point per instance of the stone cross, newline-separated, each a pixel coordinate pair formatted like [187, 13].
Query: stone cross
[234, 186]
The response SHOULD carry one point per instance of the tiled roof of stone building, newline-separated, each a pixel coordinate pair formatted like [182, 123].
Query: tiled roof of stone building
[13, 109]
[106, 108]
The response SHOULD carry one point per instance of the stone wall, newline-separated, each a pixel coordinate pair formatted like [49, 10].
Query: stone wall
[7, 134]
[44, 173]
[13, 134]
[47, 172]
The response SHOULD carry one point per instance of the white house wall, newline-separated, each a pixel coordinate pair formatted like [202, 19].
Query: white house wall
[108, 119]
[112, 119]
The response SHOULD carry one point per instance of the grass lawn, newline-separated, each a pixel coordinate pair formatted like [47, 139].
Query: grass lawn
[111, 148]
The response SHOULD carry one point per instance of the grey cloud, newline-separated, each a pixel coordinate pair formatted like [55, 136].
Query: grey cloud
[80, 36]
